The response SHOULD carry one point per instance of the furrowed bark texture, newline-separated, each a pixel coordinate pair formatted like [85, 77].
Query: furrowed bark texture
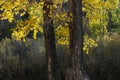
[76, 40]
[52, 60]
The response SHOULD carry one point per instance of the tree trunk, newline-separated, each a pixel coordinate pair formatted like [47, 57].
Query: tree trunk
[52, 60]
[109, 21]
[70, 70]
[71, 39]
[76, 40]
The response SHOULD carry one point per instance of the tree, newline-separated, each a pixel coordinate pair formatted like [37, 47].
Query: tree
[76, 39]
[52, 60]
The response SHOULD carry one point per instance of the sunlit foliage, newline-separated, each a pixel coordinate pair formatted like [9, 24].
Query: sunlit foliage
[10, 8]
[96, 13]
[89, 43]
[20, 7]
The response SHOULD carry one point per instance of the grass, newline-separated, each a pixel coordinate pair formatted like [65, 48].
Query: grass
[27, 61]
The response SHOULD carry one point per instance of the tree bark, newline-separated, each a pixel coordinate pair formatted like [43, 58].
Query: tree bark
[71, 39]
[52, 60]
[76, 40]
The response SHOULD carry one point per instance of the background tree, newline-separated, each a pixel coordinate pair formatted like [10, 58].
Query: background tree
[52, 60]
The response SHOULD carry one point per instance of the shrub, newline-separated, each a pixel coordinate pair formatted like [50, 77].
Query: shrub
[103, 62]
[22, 61]
[27, 61]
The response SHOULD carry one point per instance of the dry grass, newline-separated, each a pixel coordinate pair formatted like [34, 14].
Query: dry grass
[27, 61]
